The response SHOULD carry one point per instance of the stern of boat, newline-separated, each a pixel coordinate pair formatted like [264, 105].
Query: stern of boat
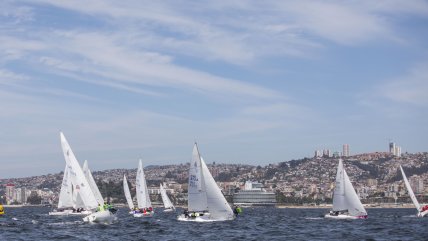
[423, 214]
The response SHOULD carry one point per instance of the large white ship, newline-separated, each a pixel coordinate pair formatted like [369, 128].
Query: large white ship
[254, 195]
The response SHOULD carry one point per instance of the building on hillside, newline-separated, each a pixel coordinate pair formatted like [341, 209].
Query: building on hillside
[371, 182]
[326, 153]
[394, 149]
[10, 193]
[417, 184]
[21, 195]
[345, 150]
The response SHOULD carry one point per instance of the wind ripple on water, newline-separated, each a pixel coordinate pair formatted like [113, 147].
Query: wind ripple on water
[33, 223]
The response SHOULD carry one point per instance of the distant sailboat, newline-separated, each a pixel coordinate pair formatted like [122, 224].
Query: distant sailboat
[128, 195]
[82, 192]
[143, 198]
[422, 211]
[205, 199]
[71, 198]
[81, 189]
[165, 199]
[346, 204]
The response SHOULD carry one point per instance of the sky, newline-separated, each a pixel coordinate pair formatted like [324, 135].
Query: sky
[252, 82]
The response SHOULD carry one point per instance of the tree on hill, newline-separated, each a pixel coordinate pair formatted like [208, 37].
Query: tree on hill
[34, 198]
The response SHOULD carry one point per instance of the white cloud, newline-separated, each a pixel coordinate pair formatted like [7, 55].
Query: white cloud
[344, 23]
[13, 48]
[240, 32]
[9, 77]
[11, 14]
[106, 60]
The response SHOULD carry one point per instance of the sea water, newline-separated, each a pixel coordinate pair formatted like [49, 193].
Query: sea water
[34, 223]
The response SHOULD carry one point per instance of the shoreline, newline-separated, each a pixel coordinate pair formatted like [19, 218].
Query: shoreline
[326, 206]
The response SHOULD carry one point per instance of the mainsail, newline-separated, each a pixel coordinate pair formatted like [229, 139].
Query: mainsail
[127, 193]
[339, 199]
[92, 183]
[166, 202]
[345, 197]
[197, 197]
[143, 198]
[410, 191]
[80, 184]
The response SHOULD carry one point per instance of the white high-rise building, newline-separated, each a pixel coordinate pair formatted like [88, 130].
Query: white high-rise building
[10, 193]
[345, 151]
[391, 147]
[21, 195]
[397, 151]
[394, 149]
[326, 153]
[417, 184]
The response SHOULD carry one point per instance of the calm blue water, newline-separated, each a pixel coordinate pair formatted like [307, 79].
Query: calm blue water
[33, 223]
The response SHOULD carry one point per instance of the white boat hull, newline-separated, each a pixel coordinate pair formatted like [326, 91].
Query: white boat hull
[105, 217]
[68, 212]
[169, 210]
[81, 213]
[344, 216]
[61, 213]
[423, 214]
[205, 218]
[143, 215]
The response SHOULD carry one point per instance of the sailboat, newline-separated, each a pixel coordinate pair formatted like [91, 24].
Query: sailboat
[105, 216]
[206, 202]
[143, 199]
[128, 195]
[165, 199]
[346, 204]
[82, 193]
[422, 211]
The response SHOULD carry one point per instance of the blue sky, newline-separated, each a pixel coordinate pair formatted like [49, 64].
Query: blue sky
[252, 82]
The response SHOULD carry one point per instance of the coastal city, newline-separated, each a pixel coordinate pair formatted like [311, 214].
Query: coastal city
[308, 120]
[308, 181]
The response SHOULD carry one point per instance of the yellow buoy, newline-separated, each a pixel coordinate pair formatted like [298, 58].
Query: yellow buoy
[1, 210]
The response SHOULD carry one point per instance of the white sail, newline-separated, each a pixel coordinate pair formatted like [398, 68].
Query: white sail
[166, 202]
[355, 207]
[339, 200]
[203, 192]
[345, 197]
[66, 193]
[77, 200]
[127, 193]
[143, 198]
[80, 184]
[217, 204]
[92, 183]
[410, 191]
[197, 197]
